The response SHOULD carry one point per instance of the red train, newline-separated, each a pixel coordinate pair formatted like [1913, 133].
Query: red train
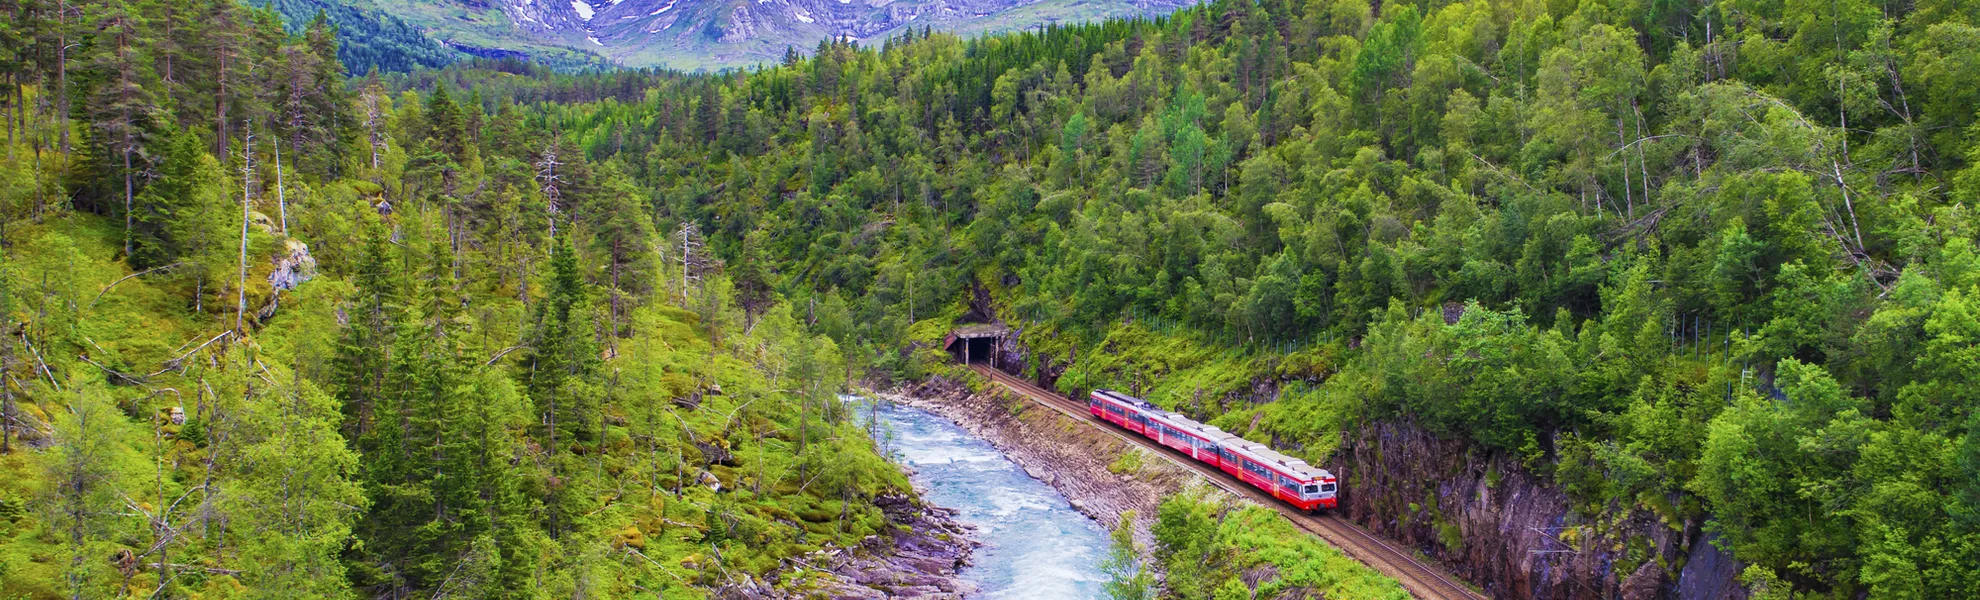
[1292, 480]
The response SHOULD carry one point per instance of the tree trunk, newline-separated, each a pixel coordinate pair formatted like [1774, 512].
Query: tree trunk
[281, 198]
[127, 191]
[62, 72]
[220, 109]
[550, 497]
[6, 392]
[247, 170]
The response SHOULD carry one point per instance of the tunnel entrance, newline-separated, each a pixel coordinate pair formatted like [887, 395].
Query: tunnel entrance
[976, 343]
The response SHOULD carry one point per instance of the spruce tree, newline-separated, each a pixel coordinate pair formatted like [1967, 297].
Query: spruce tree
[559, 375]
[372, 317]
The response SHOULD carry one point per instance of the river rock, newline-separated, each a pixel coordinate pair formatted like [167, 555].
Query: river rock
[920, 559]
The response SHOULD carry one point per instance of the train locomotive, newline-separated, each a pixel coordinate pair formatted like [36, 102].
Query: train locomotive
[1289, 479]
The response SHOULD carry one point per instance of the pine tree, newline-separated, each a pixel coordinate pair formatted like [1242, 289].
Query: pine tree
[443, 143]
[751, 277]
[621, 231]
[224, 44]
[122, 107]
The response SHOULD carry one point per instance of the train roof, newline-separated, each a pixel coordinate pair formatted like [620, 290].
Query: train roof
[1291, 465]
[1124, 398]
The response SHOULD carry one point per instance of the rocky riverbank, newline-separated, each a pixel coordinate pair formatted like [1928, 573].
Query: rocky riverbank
[921, 560]
[1056, 449]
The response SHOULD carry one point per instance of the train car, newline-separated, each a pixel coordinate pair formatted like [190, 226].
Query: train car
[1289, 479]
[1118, 409]
[1175, 431]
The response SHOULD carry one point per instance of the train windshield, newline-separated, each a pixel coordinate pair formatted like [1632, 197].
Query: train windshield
[1312, 489]
[1326, 487]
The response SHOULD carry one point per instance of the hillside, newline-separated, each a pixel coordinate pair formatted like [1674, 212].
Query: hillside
[1666, 277]
[249, 352]
[1700, 278]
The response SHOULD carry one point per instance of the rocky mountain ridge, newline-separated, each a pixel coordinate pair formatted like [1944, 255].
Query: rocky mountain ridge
[692, 35]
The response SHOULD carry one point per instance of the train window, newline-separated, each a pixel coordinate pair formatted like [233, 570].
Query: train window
[1312, 489]
[1326, 487]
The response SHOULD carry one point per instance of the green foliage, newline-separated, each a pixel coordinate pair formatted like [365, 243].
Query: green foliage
[1128, 578]
[1129, 463]
[1213, 551]
[1716, 261]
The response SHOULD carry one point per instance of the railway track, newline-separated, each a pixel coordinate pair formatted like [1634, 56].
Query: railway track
[1421, 580]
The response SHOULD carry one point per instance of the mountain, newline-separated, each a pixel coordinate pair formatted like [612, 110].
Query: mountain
[695, 34]
[688, 35]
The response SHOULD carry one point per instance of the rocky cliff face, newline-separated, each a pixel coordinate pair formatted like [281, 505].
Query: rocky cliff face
[1507, 530]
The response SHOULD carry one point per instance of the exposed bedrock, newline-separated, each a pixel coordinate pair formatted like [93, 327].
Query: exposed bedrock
[1508, 530]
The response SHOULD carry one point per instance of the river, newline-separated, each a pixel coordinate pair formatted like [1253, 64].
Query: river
[1035, 546]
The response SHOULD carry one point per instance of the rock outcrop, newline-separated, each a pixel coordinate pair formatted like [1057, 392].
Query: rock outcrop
[921, 559]
[1515, 534]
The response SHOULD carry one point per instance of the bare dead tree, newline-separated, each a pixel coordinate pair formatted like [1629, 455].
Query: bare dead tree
[374, 124]
[281, 198]
[550, 182]
[247, 200]
[691, 262]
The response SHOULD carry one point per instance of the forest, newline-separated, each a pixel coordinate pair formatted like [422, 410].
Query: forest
[1710, 257]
